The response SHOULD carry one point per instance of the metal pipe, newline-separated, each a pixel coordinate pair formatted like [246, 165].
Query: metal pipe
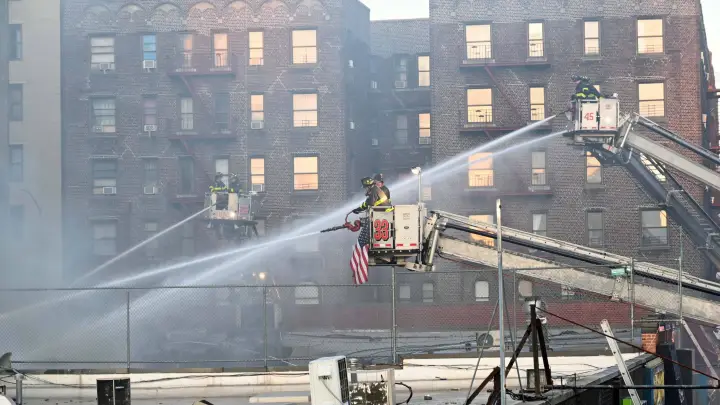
[18, 389]
[675, 138]
[634, 387]
[632, 299]
[265, 326]
[680, 288]
[393, 332]
[127, 329]
[501, 302]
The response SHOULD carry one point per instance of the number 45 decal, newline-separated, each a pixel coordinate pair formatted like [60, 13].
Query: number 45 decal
[382, 229]
[590, 116]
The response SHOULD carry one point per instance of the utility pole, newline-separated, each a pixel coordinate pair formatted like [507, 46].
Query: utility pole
[4, 133]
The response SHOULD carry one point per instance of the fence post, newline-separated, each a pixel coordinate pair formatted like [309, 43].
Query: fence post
[632, 299]
[265, 329]
[127, 327]
[393, 332]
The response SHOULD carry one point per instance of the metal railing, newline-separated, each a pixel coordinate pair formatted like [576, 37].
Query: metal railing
[262, 326]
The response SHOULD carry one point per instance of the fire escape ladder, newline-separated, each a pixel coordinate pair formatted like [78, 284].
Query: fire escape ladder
[514, 108]
[195, 159]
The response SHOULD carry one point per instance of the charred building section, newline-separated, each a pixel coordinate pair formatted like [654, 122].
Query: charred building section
[160, 97]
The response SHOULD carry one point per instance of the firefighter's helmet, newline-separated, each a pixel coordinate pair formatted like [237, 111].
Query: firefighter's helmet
[218, 175]
[367, 181]
[378, 177]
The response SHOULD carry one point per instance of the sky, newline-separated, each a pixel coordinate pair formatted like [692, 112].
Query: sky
[393, 9]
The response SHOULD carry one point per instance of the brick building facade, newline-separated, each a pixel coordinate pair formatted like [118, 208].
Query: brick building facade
[160, 97]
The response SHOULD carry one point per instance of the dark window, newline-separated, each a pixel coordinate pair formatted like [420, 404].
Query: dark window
[16, 48]
[596, 234]
[105, 238]
[151, 173]
[187, 176]
[152, 247]
[104, 177]
[539, 225]
[222, 111]
[654, 228]
[150, 111]
[16, 163]
[16, 102]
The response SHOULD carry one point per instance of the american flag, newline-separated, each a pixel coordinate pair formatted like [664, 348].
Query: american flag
[359, 259]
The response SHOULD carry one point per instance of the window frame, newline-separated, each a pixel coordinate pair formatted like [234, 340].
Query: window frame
[424, 297]
[95, 66]
[107, 175]
[591, 230]
[316, 173]
[471, 170]
[101, 120]
[150, 113]
[254, 60]
[311, 124]
[96, 239]
[424, 132]
[588, 157]
[221, 56]
[254, 114]
[486, 107]
[475, 291]
[226, 173]
[293, 48]
[643, 227]
[401, 288]
[16, 109]
[400, 71]
[221, 112]
[253, 175]
[312, 299]
[487, 46]
[151, 176]
[16, 172]
[530, 40]
[535, 117]
[187, 38]
[187, 119]
[538, 170]
[152, 247]
[586, 38]
[638, 37]
[651, 101]
[424, 73]
[401, 134]
[539, 232]
[153, 45]
[15, 50]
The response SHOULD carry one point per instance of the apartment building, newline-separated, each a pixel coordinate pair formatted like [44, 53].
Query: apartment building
[34, 111]
[160, 97]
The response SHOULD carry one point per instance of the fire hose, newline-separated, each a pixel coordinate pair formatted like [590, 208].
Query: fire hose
[352, 227]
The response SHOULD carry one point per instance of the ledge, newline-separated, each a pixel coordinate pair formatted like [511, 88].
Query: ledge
[653, 248]
[529, 62]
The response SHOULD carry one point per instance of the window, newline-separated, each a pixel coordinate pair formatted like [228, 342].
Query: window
[424, 128]
[480, 170]
[150, 177]
[104, 176]
[186, 114]
[539, 225]
[16, 45]
[401, 72]
[654, 228]
[16, 163]
[222, 165]
[103, 115]
[596, 235]
[16, 102]
[104, 238]
[592, 38]
[650, 36]
[220, 49]
[102, 50]
[256, 48]
[482, 291]
[404, 292]
[652, 99]
[186, 43]
[593, 172]
[305, 169]
[307, 294]
[536, 43]
[149, 47]
[17, 221]
[479, 104]
[488, 219]
[423, 71]
[428, 293]
[257, 174]
[150, 111]
[152, 247]
[401, 129]
[187, 176]
[222, 111]
[539, 173]
[305, 111]
[304, 46]
[478, 41]
[257, 107]
[525, 289]
[188, 239]
[537, 103]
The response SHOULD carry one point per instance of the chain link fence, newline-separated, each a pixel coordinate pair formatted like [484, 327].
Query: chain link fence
[268, 326]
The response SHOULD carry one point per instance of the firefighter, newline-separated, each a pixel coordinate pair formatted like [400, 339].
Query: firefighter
[235, 186]
[218, 186]
[584, 90]
[380, 183]
[375, 196]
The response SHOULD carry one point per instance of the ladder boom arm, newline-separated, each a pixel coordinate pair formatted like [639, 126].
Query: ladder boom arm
[677, 139]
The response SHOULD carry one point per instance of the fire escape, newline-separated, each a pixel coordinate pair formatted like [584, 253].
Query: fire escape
[190, 67]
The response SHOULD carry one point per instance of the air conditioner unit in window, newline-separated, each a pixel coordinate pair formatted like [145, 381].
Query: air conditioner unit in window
[329, 381]
[258, 188]
[105, 66]
[149, 64]
[150, 128]
[257, 124]
[375, 142]
[98, 128]
[400, 84]
[109, 190]
[148, 190]
[425, 140]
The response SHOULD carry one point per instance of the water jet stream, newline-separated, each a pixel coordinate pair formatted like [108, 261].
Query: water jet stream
[155, 301]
